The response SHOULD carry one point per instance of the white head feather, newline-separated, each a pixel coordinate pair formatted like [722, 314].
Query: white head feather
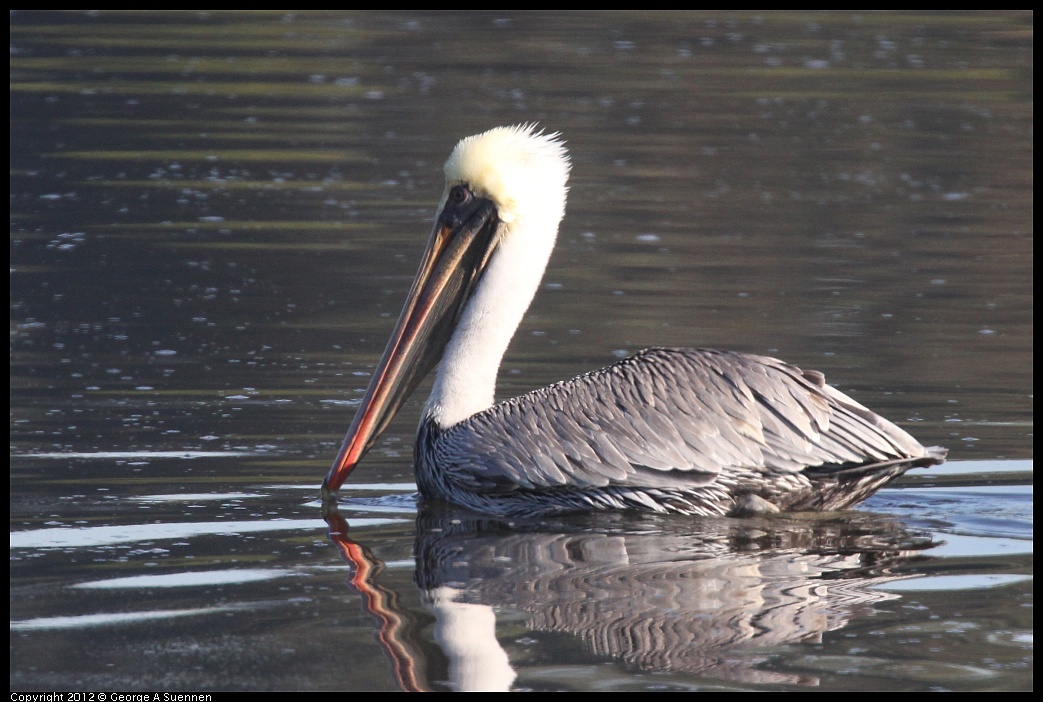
[523, 171]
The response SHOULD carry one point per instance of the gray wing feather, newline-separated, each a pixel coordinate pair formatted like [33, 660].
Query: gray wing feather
[670, 418]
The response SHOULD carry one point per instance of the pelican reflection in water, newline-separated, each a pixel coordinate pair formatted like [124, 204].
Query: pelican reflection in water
[689, 431]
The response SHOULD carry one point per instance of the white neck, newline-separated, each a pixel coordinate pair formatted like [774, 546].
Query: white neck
[524, 173]
[466, 381]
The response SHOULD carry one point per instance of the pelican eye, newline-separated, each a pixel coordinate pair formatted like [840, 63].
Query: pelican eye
[459, 205]
[460, 195]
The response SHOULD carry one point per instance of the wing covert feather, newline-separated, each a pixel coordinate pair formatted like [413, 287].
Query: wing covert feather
[670, 418]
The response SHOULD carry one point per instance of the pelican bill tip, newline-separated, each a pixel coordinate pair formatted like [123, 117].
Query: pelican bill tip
[328, 494]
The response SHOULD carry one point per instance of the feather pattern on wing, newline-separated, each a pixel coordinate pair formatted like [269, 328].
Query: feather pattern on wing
[693, 425]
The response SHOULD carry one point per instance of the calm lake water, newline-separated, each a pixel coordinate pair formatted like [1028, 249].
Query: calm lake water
[215, 218]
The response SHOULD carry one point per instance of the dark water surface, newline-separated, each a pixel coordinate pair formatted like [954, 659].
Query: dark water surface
[215, 218]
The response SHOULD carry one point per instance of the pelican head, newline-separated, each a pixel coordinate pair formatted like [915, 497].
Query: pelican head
[522, 171]
[493, 235]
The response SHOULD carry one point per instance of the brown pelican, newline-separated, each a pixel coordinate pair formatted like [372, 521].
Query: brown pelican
[691, 431]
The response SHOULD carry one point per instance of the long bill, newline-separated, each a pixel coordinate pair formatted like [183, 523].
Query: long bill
[461, 244]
